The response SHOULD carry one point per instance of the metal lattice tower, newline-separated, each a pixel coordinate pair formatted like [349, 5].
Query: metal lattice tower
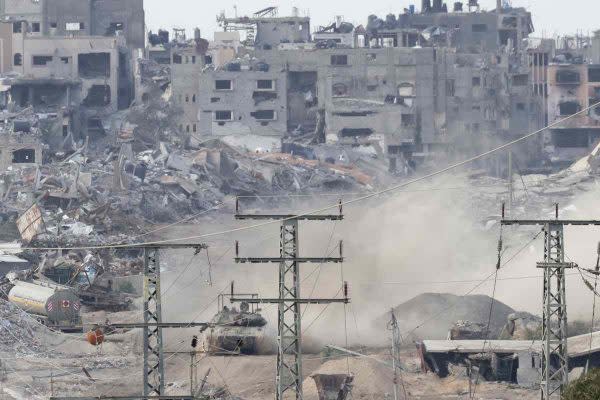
[396, 343]
[289, 327]
[153, 364]
[555, 362]
[154, 373]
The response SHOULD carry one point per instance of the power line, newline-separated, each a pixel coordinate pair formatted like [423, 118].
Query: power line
[489, 322]
[443, 311]
[513, 278]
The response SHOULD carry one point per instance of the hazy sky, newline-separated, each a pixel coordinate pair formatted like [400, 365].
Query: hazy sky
[549, 16]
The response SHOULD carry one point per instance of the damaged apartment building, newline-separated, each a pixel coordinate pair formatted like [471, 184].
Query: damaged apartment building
[69, 63]
[571, 78]
[412, 86]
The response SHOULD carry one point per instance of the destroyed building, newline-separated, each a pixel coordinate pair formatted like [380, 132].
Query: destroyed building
[78, 80]
[20, 150]
[188, 58]
[71, 62]
[266, 30]
[573, 79]
[465, 27]
[224, 48]
[412, 86]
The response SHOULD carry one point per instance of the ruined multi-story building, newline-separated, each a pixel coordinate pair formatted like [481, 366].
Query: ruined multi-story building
[81, 79]
[573, 85]
[414, 85]
[71, 61]
[74, 18]
[188, 60]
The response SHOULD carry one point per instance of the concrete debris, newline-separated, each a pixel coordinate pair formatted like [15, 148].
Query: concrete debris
[466, 330]
[522, 326]
[18, 331]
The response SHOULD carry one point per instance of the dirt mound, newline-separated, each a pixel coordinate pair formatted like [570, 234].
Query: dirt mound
[437, 312]
[371, 379]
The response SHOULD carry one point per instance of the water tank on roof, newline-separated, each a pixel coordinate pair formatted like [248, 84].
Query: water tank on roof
[458, 6]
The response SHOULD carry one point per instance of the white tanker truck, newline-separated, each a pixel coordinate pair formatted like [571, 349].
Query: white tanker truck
[55, 305]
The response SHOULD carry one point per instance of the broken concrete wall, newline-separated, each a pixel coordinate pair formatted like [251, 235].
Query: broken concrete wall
[45, 95]
[469, 31]
[31, 11]
[6, 49]
[71, 58]
[243, 102]
[270, 32]
[120, 17]
[68, 17]
[126, 81]
[341, 39]
[19, 151]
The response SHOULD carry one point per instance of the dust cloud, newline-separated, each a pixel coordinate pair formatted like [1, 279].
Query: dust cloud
[417, 240]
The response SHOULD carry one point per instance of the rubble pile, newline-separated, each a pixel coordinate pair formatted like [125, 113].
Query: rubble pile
[19, 333]
[475, 309]
[535, 195]
[522, 326]
[467, 330]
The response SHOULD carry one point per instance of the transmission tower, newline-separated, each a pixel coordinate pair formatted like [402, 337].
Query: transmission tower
[289, 324]
[555, 361]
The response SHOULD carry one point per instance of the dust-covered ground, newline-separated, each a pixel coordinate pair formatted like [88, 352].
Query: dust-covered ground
[436, 237]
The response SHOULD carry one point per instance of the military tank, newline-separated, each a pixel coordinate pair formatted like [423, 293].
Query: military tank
[54, 305]
[234, 331]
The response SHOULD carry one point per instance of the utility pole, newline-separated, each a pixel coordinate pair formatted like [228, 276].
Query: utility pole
[555, 362]
[289, 326]
[396, 343]
[193, 366]
[510, 184]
